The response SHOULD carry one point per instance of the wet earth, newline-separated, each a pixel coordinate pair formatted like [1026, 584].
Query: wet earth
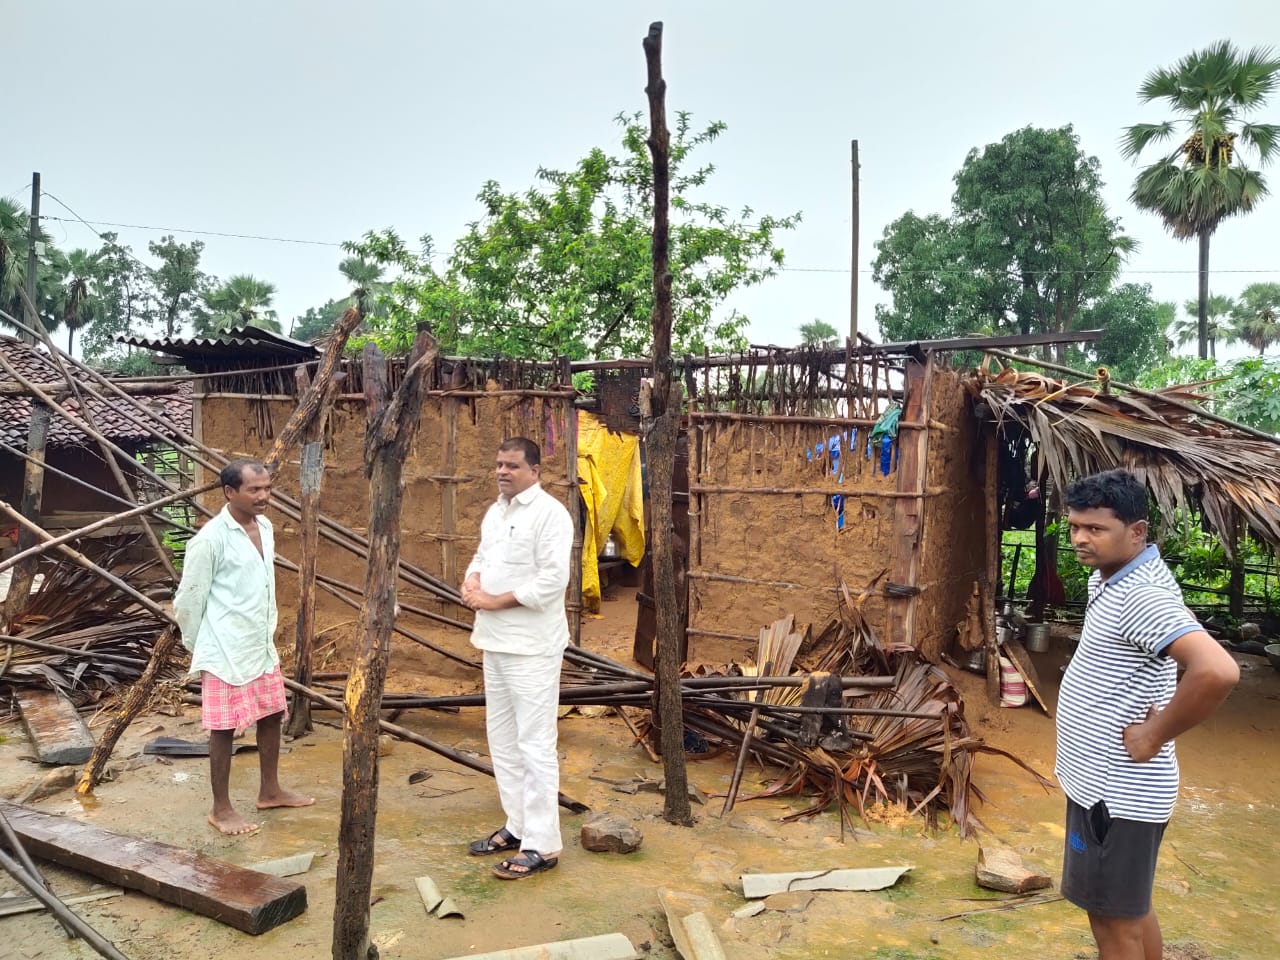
[1215, 884]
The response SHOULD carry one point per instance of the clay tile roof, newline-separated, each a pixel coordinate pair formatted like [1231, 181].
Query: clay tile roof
[109, 417]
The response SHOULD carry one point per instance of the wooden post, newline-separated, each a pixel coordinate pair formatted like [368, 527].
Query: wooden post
[310, 477]
[661, 432]
[995, 540]
[37, 435]
[853, 258]
[908, 512]
[391, 425]
[449, 493]
[573, 606]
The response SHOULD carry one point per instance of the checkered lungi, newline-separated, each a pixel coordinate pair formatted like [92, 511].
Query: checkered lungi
[227, 707]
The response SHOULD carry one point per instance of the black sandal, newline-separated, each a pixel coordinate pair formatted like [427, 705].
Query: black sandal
[532, 861]
[500, 841]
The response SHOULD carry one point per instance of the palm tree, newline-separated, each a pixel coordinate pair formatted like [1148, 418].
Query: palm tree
[77, 298]
[241, 301]
[1256, 317]
[365, 278]
[1196, 187]
[1217, 311]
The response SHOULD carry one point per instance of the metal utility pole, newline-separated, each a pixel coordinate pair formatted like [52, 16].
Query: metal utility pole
[853, 267]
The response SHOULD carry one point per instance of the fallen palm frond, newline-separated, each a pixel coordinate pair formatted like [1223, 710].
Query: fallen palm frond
[917, 749]
[82, 635]
[1190, 463]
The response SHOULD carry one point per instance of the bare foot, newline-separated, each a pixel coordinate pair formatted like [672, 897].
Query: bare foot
[284, 798]
[232, 824]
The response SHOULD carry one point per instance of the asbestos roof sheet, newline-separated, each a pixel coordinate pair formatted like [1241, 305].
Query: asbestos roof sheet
[237, 344]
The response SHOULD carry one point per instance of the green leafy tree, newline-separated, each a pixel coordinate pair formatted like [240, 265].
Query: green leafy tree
[14, 245]
[1218, 309]
[818, 333]
[565, 267]
[179, 282]
[1028, 247]
[1197, 186]
[240, 301]
[1255, 318]
[1245, 390]
[128, 304]
[1133, 327]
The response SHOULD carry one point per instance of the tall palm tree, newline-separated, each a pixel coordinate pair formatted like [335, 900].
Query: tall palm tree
[1196, 187]
[1218, 309]
[78, 298]
[365, 278]
[1256, 317]
[241, 301]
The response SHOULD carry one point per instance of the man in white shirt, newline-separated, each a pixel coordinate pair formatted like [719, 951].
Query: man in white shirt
[226, 609]
[516, 584]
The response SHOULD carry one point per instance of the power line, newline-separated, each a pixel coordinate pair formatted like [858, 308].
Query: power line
[784, 269]
[203, 233]
[937, 273]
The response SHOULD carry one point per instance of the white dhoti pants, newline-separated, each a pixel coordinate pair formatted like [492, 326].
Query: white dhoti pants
[522, 697]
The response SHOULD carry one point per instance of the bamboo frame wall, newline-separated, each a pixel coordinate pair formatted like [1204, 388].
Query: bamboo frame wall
[763, 540]
[448, 485]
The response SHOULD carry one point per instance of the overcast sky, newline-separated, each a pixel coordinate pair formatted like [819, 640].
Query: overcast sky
[318, 120]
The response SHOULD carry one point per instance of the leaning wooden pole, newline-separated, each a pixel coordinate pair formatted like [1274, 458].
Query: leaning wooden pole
[310, 475]
[391, 425]
[661, 431]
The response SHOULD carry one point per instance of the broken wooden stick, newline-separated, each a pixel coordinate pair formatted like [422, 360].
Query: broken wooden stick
[67, 917]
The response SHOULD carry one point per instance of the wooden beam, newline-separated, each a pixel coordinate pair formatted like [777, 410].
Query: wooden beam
[245, 899]
[908, 511]
[56, 731]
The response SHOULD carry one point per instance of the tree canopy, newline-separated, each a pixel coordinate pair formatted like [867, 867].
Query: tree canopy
[564, 268]
[1028, 247]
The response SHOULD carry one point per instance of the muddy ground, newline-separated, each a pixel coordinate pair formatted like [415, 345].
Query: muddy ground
[1214, 891]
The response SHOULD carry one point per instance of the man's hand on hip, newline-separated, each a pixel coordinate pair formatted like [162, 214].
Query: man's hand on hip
[1141, 740]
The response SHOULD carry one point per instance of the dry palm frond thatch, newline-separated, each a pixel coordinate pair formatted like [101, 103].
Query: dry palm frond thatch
[1190, 463]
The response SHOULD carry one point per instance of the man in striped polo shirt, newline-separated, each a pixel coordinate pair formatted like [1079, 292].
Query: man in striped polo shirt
[1120, 708]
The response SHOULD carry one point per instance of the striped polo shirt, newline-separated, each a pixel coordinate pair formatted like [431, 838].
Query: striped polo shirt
[1119, 670]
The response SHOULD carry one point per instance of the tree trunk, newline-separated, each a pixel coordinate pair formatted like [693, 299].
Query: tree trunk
[310, 476]
[1235, 586]
[1202, 307]
[660, 447]
[391, 425]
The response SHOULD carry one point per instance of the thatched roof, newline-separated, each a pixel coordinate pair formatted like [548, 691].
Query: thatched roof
[1189, 463]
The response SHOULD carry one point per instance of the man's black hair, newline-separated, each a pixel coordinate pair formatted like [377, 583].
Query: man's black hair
[232, 475]
[1117, 490]
[532, 455]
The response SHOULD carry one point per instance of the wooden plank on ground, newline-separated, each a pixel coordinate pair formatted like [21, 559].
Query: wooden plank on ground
[245, 899]
[54, 727]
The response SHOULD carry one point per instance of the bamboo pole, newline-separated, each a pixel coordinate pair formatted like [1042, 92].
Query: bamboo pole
[65, 915]
[27, 864]
[573, 605]
[86, 413]
[47, 545]
[825, 491]
[1138, 391]
[833, 421]
[407, 735]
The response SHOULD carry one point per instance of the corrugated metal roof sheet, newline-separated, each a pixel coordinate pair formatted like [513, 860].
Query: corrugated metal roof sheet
[110, 419]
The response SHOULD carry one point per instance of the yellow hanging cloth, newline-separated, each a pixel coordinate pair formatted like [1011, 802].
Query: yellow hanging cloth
[612, 488]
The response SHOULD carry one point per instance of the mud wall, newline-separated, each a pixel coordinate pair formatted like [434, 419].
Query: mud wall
[955, 544]
[439, 540]
[770, 541]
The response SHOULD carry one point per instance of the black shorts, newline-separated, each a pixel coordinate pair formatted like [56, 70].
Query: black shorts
[1109, 866]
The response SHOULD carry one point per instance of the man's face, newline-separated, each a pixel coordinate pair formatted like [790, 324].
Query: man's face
[250, 500]
[1104, 541]
[514, 473]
